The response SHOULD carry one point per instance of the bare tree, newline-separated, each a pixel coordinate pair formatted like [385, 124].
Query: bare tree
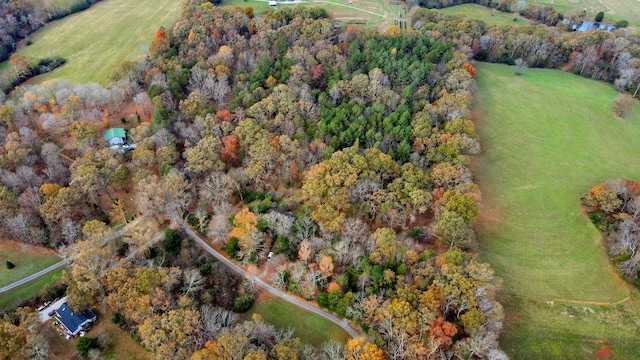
[193, 281]
[332, 350]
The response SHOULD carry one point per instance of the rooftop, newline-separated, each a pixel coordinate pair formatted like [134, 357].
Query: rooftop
[114, 133]
[73, 321]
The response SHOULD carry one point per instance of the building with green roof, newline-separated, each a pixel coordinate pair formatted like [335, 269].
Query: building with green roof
[115, 136]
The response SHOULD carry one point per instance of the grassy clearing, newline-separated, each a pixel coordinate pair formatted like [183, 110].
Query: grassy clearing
[377, 13]
[15, 295]
[96, 40]
[27, 259]
[485, 14]
[548, 137]
[311, 329]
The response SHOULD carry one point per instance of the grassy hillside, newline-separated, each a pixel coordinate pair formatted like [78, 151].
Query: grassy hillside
[485, 14]
[96, 40]
[549, 136]
[311, 329]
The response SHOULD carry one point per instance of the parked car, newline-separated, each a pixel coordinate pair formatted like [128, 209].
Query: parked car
[270, 255]
[51, 313]
[39, 308]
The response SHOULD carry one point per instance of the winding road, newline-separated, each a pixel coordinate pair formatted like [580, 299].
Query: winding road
[343, 323]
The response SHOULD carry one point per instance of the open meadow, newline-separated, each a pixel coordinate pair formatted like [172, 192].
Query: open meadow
[310, 328]
[489, 16]
[549, 136]
[375, 13]
[96, 40]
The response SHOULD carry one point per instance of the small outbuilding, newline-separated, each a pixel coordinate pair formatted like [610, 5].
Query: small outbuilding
[115, 136]
[75, 322]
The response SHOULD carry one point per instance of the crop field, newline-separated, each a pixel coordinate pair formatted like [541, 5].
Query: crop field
[27, 259]
[311, 329]
[485, 14]
[96, 40]
[549, 136]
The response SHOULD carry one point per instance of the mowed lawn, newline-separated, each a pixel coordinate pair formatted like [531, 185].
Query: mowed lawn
[547, 137]
[369, 12]
[96, 40]
[27, 290]
[310, 328]
[27, 259]
[479, 12]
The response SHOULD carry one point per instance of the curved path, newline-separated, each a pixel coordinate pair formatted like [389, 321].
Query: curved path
[344, 324]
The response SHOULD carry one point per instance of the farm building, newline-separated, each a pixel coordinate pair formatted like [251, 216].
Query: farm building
[75, 322]
[115, 136]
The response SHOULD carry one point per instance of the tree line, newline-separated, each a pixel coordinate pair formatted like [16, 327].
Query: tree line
[614, 208]
[608, 56]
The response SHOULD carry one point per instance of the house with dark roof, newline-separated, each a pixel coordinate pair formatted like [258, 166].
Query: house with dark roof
[75, 322]
[115, 136]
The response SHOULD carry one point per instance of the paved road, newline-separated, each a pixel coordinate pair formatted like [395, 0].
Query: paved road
[65, 262]
[33, 276]
[344, 324]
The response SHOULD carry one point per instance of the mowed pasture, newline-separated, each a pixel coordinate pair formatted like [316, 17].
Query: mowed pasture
[375, 13]
[310, 328]
[96, 40]
[547, 137]
[614, 10]
[489, 16]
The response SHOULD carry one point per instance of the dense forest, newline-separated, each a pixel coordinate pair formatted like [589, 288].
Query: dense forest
[342, 151]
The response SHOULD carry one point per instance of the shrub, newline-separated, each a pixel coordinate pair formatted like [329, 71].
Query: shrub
[232, 247]
[599, 16]
[243, 303]
[622, 104]
[172, 242]
[85, 344]
[622, 24]
[10, 265]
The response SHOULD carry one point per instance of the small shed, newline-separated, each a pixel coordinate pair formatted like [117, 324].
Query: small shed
[115, 136]
[75, 322]
[273, 4]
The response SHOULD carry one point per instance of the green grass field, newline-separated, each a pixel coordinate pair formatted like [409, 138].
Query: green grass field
[96, 40]
[311, 329]
[27, 260]
[485, 14]
[378, 13]
[549, 136]
[22, 292]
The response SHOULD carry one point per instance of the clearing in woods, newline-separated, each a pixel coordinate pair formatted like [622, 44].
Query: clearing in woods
[375, 13]
[310, 328]
[491, 17]
[548, 137]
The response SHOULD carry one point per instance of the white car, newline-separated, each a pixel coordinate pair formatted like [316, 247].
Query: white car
[270, 255]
